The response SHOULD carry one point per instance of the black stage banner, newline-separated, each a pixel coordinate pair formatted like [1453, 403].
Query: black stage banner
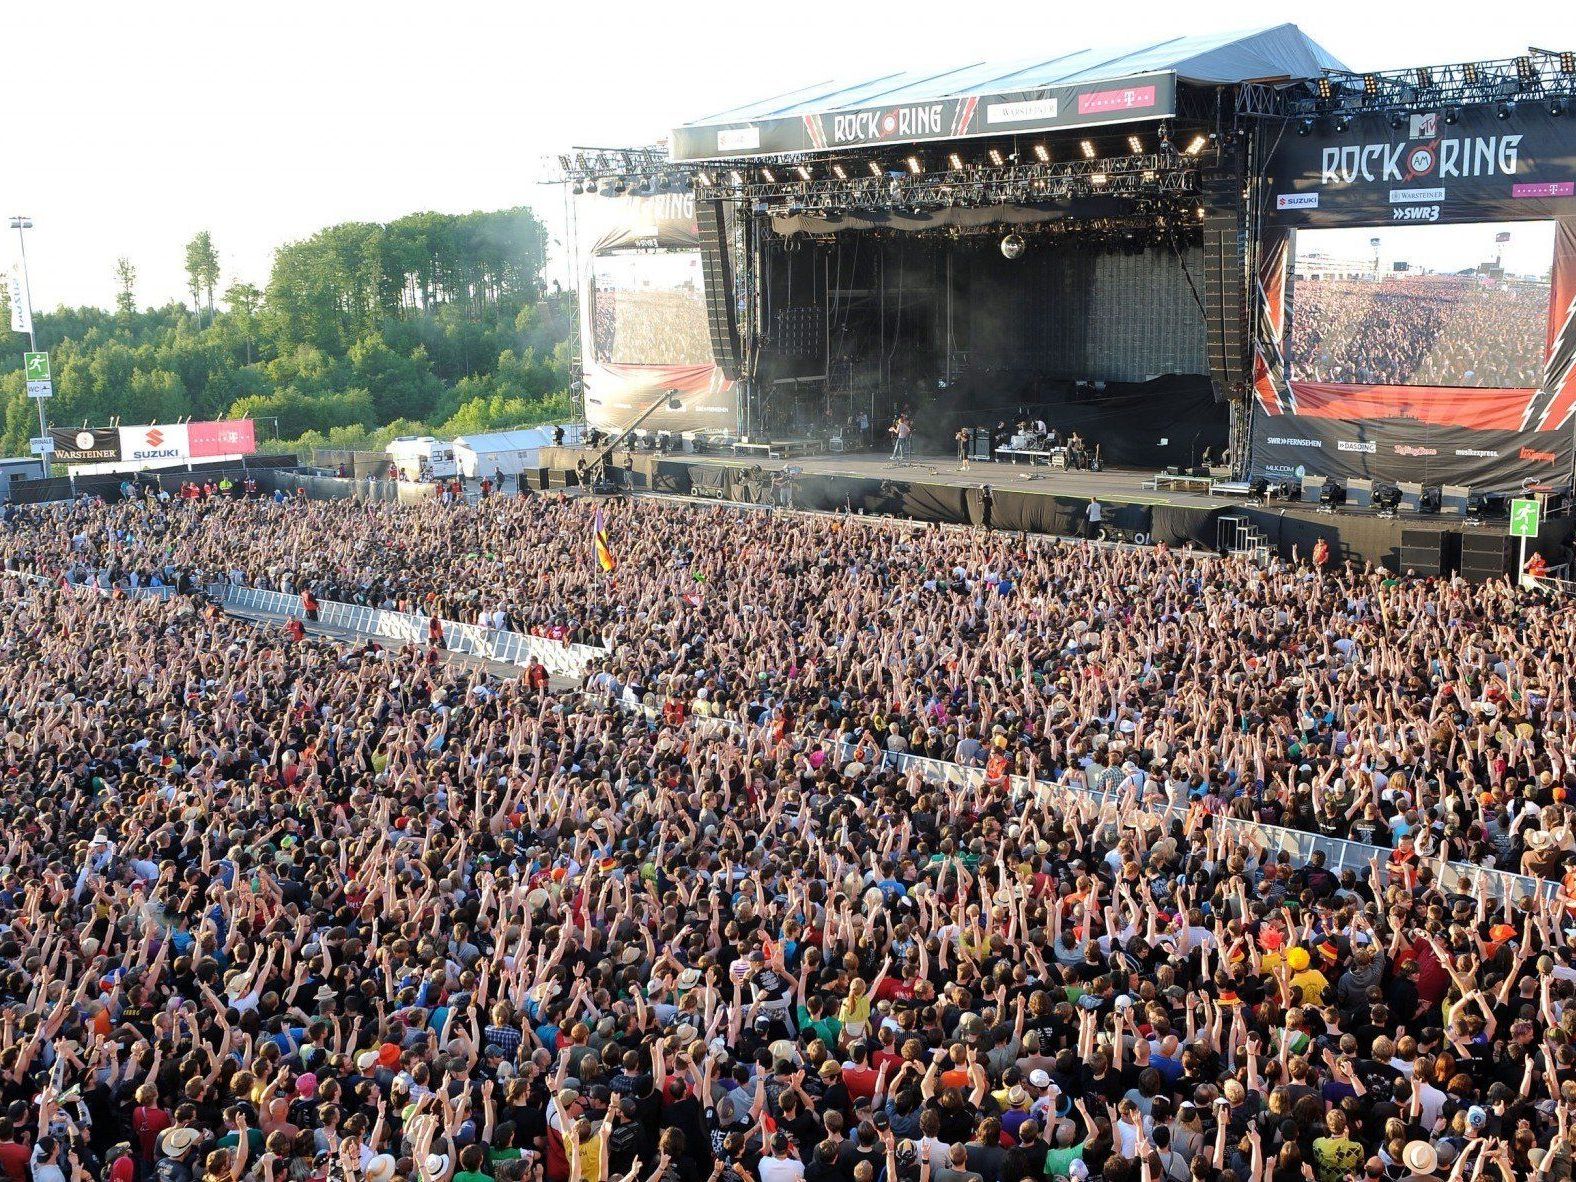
[1055, 108]
[1476, 168]
[86, 445]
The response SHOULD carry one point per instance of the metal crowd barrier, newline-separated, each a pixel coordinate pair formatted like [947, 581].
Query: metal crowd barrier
[510, 648]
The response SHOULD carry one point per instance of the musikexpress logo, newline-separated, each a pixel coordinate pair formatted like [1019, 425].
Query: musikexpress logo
[1360, 445]
[1407, 449]
[1530, 453]
[1294, 441]
[1477, 453]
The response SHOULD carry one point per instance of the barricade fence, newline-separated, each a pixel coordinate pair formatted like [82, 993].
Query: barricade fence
[510, 648]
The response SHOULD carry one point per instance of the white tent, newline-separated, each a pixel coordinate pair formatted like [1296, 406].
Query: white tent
[508, 452]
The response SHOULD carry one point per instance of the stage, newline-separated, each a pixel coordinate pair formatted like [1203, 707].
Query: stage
[1054, 501]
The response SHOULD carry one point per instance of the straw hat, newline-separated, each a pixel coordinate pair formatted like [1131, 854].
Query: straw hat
[1420, 1157]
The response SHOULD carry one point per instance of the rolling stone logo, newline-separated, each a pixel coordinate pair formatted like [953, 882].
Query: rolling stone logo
[1407, 449]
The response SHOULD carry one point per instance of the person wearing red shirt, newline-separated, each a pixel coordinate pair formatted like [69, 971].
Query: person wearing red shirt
[860, 1079]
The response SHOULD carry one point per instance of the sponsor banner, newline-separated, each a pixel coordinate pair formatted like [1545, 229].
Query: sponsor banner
[1288, 447]
[1147, 96]
[1478, 168]
[1296, 201]
[21, 315]
[85, 445]
[155, 445]
[232, 437]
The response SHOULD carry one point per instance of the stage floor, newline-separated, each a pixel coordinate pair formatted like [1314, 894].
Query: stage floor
[1115, 486]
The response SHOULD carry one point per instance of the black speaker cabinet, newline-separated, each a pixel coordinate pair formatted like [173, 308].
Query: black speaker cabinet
[1424, 552]
[1483, 556]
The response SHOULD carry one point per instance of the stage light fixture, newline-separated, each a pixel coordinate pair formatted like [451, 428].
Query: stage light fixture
[1013, 246]
[1505, 109]
[914, 166]
[1136, 144]
[736, 177]
[875, 168]
[1325, 89]
[704, 178]
[577, 188]
[1087, 148]
[1568, 62]
[804, 172]
[1525, 71]
[1370, 85]
[956, 161]
[1451, 115]
[1557, 108]
[1199, 212]
[1196, 145]
[771, 177]
[1042, 153]
[1098, 178]
[1149, 176]
[839, 172]
[1470, 74]
[1304, 126]
[1423, 75]
[1397, 120]
[1342, 123]
[995, 157]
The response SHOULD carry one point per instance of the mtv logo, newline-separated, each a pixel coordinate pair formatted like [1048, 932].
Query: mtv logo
[1424, 126]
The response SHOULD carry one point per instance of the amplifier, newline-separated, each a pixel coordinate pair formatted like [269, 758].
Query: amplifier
[979, 443]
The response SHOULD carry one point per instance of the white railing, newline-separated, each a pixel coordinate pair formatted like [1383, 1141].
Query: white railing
[509, 648]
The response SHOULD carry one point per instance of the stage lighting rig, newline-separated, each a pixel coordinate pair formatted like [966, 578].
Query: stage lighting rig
[1013, 246]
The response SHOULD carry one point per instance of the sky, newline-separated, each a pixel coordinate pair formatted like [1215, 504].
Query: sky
[131, 127]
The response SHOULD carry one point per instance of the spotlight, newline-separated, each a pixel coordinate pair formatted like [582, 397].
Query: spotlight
[995, 157]
[1200, 212]
[1342, 123]
[618, 184]
[771, 177]
[1424, 76]
[1470, 74]
[839, 172]
[705, 178]
[1136, 144]
[1525, 71]
[1149, 175]
[1370, 85]
[803, 171]
[875, 168]
[1042, 153]
[1451, 115]
[1013, 246]
[577, 188]
[1397, 119]
[736, 177]
[1098, 178]
[1325, 89]
[914, 166]
[1196, 145]
[1568, 62]
[1088, 149]
[1304, 126]
[1506, 109]
[1557, 108]
[956, 161]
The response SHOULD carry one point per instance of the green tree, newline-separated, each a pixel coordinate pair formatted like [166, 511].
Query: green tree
[244, 300]
[125, 286]
[202, 270]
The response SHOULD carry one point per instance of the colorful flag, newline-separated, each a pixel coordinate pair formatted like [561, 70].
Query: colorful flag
[604, 553]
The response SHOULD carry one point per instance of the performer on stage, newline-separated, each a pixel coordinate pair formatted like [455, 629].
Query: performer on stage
[962, 438]
[902, 444]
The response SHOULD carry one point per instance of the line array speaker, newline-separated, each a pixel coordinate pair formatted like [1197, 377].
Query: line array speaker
[1424, 551]
[1483, 556]
[717, 270]
[1225, 280]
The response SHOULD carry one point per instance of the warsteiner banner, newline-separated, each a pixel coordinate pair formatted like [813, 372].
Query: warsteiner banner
[1438, 166]
[85, 445]
[644, 340]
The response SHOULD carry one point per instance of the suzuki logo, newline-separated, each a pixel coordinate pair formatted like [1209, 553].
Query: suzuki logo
[154, 437]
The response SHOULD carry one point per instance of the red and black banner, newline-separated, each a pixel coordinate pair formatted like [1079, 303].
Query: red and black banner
[1054, 108]
[1466, 165]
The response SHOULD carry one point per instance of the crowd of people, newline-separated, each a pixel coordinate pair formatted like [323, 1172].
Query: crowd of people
[274, 907]
[1420, 330]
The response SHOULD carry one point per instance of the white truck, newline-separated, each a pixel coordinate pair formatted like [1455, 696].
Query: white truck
[421, 457]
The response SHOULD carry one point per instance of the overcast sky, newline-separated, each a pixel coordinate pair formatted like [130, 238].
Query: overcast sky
[131, 127]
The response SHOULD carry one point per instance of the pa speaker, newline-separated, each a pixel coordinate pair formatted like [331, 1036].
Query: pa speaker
[1424, 551]
[1483, 557]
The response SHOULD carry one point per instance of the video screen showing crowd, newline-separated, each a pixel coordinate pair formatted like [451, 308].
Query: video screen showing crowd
[1421, 307]
[649, 309]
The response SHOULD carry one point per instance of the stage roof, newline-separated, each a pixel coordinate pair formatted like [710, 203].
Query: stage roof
[1080, 88]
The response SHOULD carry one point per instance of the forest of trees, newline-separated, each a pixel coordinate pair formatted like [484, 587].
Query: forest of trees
[432, 324]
